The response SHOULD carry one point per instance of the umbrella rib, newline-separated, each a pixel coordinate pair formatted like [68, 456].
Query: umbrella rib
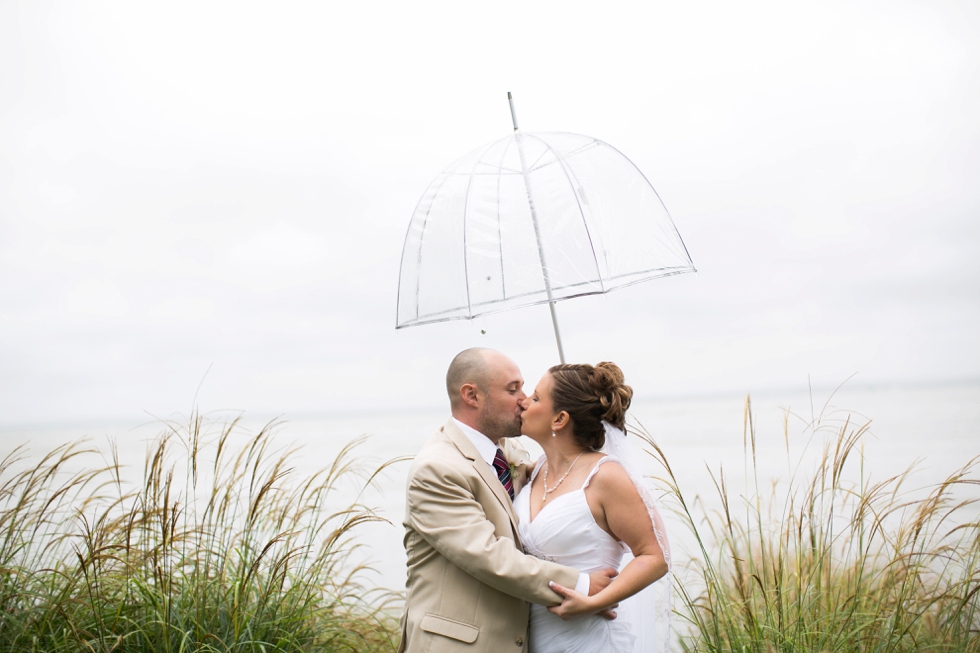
[581, 213]
[508, 171]
[595, 143]
[418, 260]
[493, 170]
[466, 207]
[640, 172]
[534, 220]
[533, 166]
[500, 238]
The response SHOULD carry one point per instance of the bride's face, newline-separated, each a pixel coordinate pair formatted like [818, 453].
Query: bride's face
[536, 420]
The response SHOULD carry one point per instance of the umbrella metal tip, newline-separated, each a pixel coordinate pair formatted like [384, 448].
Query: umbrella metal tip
[508, 95]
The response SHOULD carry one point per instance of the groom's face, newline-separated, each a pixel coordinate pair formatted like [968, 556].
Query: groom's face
[500, 414]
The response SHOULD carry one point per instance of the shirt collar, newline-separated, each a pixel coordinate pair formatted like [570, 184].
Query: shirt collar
[486, 448]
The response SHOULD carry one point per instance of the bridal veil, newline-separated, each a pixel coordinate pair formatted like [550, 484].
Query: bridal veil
[648, 611]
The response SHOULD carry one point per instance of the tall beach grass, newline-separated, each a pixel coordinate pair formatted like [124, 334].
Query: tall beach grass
[221, 546]
[829, 559]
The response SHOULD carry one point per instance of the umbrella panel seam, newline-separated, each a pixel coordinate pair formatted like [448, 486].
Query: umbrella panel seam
[429, 317]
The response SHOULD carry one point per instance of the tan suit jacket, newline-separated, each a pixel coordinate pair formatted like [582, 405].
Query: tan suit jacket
[469, 582]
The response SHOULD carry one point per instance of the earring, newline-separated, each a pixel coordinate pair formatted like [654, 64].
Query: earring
[554, 435]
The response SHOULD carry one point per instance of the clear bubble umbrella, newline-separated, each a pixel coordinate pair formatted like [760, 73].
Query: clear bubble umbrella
[529, 219]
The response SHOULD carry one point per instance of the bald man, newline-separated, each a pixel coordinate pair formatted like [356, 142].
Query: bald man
[469, 582]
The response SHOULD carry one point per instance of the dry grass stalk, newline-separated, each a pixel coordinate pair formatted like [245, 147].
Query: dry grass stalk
[823, 563]
[232, 553]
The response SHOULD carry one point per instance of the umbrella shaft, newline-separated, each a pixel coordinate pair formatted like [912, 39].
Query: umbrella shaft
[537, 236]
[554, 323]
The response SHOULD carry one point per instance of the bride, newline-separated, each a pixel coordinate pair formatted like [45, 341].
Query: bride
[585, 507]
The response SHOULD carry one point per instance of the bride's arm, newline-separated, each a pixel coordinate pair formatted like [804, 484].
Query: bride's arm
[619, 509]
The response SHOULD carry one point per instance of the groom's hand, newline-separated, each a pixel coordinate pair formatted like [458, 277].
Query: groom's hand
[599, 580]
[576, 606]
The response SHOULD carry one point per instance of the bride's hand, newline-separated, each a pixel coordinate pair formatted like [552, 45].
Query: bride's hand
[576, 606]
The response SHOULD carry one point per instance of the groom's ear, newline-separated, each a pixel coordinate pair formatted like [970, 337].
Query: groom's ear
[470, 395]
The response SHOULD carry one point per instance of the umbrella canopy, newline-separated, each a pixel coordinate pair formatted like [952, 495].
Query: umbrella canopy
[533, 218]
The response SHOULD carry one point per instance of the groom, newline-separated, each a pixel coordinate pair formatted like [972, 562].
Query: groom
[469, 583]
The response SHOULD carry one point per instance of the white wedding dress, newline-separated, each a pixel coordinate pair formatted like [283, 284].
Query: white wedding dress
[565, 532]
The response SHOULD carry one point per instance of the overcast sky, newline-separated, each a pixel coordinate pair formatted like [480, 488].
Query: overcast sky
[187, 186]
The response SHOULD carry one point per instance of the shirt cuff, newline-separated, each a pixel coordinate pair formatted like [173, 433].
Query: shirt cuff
[582, 586]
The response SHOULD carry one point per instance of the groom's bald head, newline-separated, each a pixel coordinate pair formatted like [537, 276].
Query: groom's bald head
[471, 366]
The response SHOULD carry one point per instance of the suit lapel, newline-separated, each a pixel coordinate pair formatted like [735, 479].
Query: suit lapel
[486, 472]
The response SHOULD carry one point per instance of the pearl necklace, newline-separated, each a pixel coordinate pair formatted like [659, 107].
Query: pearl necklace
[548, 490]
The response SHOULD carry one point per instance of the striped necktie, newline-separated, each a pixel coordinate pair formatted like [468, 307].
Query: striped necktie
[503, 473]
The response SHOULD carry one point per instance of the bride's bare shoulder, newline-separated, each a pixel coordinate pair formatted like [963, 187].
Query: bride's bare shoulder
[612, 482]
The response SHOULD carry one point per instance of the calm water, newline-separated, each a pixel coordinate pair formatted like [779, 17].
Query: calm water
[938, 426]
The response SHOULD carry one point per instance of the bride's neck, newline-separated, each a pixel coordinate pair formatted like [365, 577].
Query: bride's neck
[560, 453]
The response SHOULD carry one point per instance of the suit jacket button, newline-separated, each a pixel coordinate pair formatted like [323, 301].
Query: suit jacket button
[520, 641]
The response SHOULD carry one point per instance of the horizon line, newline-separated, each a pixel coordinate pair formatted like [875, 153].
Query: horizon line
[137, 420]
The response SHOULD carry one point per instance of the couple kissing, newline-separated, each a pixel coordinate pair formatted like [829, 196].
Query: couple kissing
[568, 554]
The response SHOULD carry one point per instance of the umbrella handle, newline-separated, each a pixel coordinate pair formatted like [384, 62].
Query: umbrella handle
[513, 113]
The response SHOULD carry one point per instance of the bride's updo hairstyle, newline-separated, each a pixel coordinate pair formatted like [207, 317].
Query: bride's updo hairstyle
[589, 395]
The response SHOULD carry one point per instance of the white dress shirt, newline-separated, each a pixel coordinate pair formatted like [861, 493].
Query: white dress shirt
[488, 451]
[486, 448]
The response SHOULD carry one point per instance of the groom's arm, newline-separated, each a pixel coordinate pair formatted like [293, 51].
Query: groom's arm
[443, 510]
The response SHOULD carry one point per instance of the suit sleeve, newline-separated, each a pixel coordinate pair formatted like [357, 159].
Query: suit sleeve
[443, 510]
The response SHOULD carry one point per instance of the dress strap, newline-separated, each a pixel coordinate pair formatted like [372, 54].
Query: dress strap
[605, 459]
[537, 468]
